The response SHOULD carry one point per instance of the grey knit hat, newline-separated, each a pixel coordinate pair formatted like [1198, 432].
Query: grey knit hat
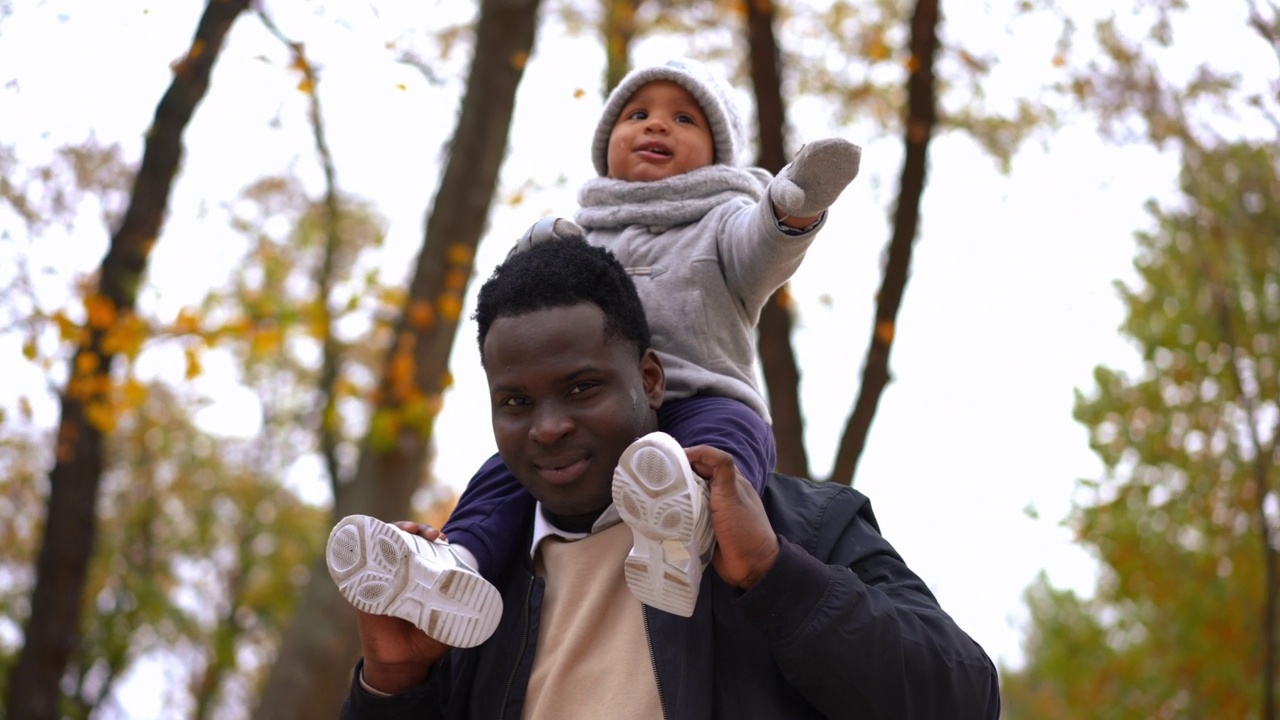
[726, 125]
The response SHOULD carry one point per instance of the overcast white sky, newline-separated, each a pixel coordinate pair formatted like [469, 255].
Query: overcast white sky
[1008, 309]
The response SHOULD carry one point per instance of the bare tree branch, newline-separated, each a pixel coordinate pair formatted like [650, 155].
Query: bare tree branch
[921, 117]
[331, 351]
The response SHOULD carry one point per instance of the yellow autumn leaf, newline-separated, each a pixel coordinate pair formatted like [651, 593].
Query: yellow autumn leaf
[67, 329]
[876, 49]
[421, 315]
[133, 392]
[455, 279]
[100, 415]
[460, 254]
[450, 306]
[884, 331]
[86, 363]
[266, 341]
[125, 337]
[100, 311]
[29, 349]
[186, 323]
[193, 363]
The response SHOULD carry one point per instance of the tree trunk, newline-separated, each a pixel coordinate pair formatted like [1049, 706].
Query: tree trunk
[618, 32]
[52, 631]
[312, 672]
[777, 357]
[921, 116]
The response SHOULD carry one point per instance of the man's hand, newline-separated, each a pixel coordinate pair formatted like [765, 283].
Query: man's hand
[746, 545]
[397, 655]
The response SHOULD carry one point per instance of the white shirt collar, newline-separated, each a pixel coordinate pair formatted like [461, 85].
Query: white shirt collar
[543, 529]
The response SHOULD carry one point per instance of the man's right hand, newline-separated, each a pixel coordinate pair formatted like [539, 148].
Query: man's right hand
[397, 655]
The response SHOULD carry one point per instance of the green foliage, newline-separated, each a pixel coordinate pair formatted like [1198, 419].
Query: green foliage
[1178, 522]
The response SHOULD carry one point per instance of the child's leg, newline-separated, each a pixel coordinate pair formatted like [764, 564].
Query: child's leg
[725, 424]
[489, 516]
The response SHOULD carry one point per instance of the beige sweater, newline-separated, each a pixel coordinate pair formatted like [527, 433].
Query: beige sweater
[593, 658]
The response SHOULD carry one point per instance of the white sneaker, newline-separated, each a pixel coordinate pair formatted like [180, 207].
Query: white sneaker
[384, 570]
[665, 505]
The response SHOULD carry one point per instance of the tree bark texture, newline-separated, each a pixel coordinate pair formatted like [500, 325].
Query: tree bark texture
[312, 673]
[618, 32]
[777, 356]
[52, 631]
[920, 120]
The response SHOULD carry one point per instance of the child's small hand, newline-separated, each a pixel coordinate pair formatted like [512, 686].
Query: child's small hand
[551, 228]
[812, 182]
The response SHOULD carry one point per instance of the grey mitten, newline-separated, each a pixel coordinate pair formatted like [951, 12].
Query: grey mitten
[551, 228]
[812, 182]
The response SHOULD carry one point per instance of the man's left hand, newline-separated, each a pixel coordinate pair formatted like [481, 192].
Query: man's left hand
[746, 545]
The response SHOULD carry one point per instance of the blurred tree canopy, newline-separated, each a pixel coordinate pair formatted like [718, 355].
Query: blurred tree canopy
[1182, 622]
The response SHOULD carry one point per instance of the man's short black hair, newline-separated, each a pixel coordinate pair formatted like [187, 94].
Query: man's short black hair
[559, 273]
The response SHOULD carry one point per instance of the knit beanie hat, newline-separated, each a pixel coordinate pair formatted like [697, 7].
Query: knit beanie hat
[726, 125]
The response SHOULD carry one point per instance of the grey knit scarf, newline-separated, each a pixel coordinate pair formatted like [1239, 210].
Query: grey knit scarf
[677, 200]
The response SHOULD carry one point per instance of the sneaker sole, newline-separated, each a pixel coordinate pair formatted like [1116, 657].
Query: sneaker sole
[651, 488]
[378, 572]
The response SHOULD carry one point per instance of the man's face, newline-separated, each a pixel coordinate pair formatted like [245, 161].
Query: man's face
[566, 401]
[660, 132]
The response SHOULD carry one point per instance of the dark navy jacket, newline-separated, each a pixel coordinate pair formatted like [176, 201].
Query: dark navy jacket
[838, 628]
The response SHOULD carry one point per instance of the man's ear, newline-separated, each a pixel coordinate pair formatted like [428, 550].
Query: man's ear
[655, 378]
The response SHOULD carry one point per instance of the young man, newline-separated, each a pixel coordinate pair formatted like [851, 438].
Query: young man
[809, 611]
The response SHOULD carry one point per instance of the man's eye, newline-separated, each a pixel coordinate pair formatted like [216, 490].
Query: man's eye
[581, 388]
[513, 402]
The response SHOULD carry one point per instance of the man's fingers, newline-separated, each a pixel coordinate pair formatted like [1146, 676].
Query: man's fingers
[422, 529]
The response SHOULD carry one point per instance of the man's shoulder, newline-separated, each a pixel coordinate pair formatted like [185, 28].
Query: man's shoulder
[807, 511]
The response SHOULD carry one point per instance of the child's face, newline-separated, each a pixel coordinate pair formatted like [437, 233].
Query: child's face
[660, 132]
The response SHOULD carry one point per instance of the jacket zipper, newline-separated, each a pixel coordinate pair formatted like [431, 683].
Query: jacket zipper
[653, 662]
[524, 645]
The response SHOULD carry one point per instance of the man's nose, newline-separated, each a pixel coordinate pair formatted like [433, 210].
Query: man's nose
[550, 424]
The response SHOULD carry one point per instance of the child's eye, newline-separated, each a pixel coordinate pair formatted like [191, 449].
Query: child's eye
[688, 119]
[637, 115]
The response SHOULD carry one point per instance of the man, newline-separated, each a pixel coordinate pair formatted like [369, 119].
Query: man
[809, 613]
